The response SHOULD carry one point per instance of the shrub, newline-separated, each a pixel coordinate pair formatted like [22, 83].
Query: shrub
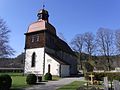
[5, 82]
[31, 79]
[88, 67]
[48, 76]
[99, 76]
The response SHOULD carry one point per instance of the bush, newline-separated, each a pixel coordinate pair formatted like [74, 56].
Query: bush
[88, 67]
[113, 76]
[31, 79]
[5, 82]
[99, 76]
[48, 76]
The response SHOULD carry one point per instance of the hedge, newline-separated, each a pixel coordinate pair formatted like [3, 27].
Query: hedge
[99, 76]
[5, 82]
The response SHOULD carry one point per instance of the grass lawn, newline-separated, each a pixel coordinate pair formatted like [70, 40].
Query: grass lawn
[55, 78]
[72, 86]
[19, 81]
[13, 74]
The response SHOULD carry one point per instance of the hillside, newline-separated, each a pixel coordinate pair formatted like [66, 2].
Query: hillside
[17, 62]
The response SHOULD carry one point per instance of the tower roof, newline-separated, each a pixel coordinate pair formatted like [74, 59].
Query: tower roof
[42, 23]
[43, 14]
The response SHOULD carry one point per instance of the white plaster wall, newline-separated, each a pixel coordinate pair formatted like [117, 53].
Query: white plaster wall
[54, 65]
[65, 70]
[38, 69]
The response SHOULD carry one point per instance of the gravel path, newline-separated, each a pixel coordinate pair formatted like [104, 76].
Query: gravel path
[53, 85]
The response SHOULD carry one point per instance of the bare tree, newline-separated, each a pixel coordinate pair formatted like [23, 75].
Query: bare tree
[89, 46]
[77, 46]
[5, 49]
[117, 40]
[117, 44]
[105, 44]
[89, 43]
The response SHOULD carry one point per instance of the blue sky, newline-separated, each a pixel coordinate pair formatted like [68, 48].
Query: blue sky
[70, 17]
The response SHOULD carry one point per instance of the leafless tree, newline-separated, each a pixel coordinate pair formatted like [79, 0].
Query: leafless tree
[105, 44]
[77, 46]
[89, 46]
[89, 43]
[117, 40]
[5, 49]
[117, 44]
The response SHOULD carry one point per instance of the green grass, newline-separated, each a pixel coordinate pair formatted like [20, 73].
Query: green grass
[13, 74]
[19, 81]
[72, 86]
[55, 78]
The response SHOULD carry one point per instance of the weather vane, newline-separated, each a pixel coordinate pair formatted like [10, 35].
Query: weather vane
[43, 4]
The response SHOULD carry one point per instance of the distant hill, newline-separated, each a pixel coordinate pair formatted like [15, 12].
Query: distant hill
[17, 62]
[99, 62]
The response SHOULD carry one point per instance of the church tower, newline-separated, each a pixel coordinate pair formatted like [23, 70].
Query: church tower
[36, 41]
[45, 51]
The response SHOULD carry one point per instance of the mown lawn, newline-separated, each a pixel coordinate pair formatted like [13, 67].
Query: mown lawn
[72, 86]
[13, 74]
[19, 80]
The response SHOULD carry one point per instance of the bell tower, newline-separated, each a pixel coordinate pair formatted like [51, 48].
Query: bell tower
[43, 15]
[40, 35]
[45, 51]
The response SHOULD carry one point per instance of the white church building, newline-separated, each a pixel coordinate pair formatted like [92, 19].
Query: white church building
[45, 51]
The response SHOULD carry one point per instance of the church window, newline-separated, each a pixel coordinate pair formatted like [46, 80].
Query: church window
[49, 68]
[33, 60]
[35, 38]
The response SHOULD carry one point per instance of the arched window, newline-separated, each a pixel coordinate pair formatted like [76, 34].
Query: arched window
[49, 68]
[33, 60]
